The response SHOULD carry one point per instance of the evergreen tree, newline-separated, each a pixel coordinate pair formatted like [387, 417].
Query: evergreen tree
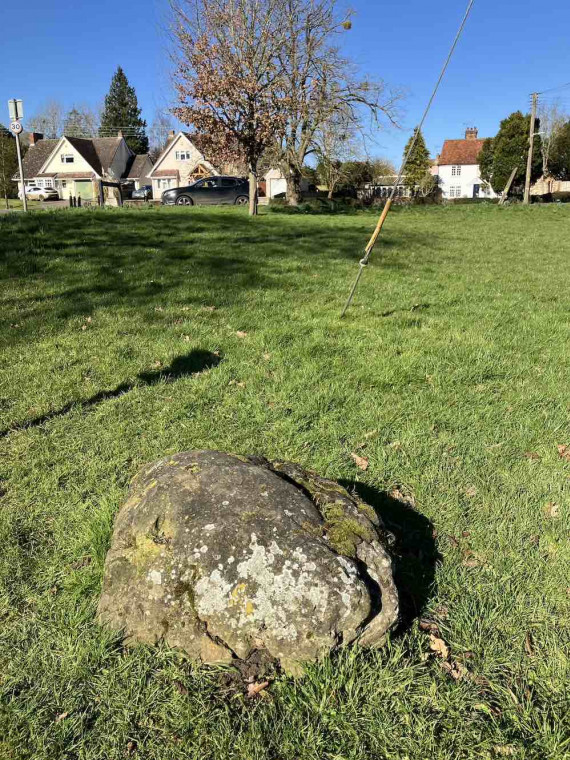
[8, 164]
[485, 158]
[510, 150]
[559, 159]
[122, 112]
[418, 164]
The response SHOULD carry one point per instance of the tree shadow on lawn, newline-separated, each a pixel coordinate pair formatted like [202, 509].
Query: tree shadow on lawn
[196, 361]
[70, 264]
[414, 551]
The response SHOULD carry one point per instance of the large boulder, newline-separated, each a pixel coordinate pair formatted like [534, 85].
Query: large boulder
[220, 555]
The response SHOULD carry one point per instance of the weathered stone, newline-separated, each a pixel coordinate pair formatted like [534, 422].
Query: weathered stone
[221, 555]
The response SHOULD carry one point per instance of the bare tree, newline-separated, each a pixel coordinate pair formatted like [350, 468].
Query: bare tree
[227, 77]
[336, 142]
[319, 82]
[48, 119]
[81, 121]
[160, 128]
[552, 119]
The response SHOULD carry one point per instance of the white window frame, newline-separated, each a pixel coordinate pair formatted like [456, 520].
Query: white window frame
[48, 182]
[455, 191]
[183, 155]
[67, 158]
[456, 171]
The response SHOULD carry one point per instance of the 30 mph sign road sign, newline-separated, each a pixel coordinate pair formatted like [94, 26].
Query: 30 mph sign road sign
[15, 127]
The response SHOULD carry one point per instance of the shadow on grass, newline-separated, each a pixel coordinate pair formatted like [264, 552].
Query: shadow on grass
[182, 366]
[414, 550]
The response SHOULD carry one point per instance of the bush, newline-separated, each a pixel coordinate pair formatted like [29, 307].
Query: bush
[317, 206]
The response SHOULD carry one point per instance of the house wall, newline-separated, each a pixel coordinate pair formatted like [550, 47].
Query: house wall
[55, 164]
[465, 181]
[119, 163]
[185, 167]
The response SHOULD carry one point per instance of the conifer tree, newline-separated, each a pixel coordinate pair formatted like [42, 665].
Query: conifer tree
[8, 164]
[418, 164]
[122, 112]
[510, 149]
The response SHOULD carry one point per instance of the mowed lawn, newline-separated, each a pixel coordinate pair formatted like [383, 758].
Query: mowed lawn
[130, 334]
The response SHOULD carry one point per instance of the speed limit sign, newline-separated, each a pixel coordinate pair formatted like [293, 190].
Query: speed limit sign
[15, 127]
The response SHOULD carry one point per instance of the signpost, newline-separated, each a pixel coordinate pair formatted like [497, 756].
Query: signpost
[16, 112]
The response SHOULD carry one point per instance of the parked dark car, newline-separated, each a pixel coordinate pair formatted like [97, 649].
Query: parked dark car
[209, 191]
[142, 194]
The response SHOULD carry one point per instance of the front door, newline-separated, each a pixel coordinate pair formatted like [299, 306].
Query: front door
[84, 188]
[476, 190]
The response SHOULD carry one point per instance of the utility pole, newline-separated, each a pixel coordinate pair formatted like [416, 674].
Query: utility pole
[530, 149]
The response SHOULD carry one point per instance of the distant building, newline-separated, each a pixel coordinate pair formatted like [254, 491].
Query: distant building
[75, 165]
[276, 183]
[180, 163]
[457, 168]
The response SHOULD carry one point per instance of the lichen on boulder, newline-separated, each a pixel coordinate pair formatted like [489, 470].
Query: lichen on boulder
[221, 555]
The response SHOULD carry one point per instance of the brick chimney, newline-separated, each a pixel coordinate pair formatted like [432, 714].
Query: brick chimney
[35, 137]
[471, 133]
[171, 133]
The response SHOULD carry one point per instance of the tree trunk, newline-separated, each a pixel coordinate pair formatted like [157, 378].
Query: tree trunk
[330, 194]
[253, 191]
[293, 186]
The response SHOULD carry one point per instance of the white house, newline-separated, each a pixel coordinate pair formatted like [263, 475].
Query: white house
[276, 184]
[74, 165]
[457, 168]
[179, 164]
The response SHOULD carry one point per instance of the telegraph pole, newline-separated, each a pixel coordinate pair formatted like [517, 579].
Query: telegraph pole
[530, 149]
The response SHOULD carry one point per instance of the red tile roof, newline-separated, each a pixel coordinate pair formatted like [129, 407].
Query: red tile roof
[460, 152]
[166, 173]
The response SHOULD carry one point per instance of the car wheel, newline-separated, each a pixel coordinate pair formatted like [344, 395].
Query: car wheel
[184, 200]
[41, 197]
[242, 200]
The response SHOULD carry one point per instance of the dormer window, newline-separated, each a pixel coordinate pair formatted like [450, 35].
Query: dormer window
[456, 171]
[67, 158]
[183, 155]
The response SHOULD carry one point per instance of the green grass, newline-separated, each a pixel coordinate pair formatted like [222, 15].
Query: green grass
[449, 372]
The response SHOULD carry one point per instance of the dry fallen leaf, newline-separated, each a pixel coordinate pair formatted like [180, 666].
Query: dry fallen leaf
[528, 644]
[405, 498]
[455, 669]
[564, 451]
[438, 645]
[61, 716]
[533, 456]
[370, 433]
[253, 689]
[471, 491]
[360, 462]
[235, 382]
[551, 509]
[181, 688]
[471, 559]
[209, 308]
[131, 747]
[241, 333]
[267, 357]
[429, 625]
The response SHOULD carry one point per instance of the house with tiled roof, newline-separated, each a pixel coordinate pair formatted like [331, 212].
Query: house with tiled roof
[180, 163]
[457, 168]
[74, 166]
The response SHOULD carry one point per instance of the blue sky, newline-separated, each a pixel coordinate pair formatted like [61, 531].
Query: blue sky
[68, 50]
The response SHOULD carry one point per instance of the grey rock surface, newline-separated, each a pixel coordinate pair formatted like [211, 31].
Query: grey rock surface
[220, 555]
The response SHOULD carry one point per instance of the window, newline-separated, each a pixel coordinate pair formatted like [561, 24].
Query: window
[227, 182]
[67, 158]
[39, 182]
[63, 184]
[455, 191]
[48, 183]
[183, 155]
[455, 171]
